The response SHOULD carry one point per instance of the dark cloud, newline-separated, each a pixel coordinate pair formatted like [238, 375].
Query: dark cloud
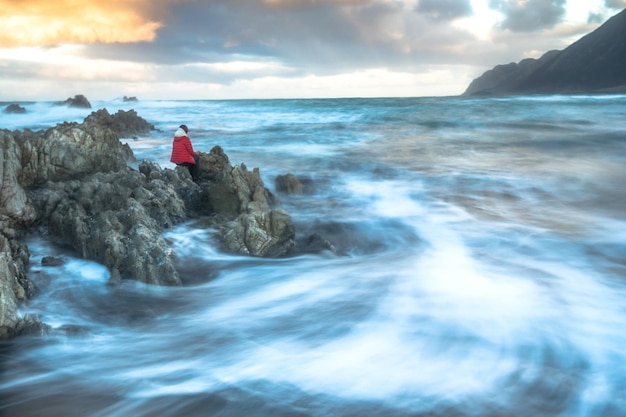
[444, 10]
[323, 37]
[530, 15]
[615, 4]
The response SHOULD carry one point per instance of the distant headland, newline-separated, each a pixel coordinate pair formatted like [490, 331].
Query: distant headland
[595, 64]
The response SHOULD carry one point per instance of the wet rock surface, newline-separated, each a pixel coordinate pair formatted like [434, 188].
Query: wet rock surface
[73, 184]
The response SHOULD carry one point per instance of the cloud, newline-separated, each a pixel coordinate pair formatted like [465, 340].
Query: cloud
[179, 48]
[615, 4]
[444, 10]
[529, 15]
[595, 18]
[44, 23]
[322, 37]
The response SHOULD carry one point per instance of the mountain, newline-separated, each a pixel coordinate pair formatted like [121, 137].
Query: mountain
[596, 63]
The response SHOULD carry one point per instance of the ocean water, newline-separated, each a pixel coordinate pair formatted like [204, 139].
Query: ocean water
[481, 270]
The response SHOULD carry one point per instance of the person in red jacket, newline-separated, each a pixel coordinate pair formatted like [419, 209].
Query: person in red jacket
[183, 153]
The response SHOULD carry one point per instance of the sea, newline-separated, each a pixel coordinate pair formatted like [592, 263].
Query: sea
[480, 270]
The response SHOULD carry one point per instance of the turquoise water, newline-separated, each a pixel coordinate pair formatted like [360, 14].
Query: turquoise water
[481, 272]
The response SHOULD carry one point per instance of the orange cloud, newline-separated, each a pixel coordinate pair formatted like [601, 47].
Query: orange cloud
[45, 22]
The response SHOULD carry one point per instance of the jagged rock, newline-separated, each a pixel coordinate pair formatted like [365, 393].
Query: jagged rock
[123, 123]
[288, 183]
[231, 190]
[14, 108]
[14, 205]
[79, 101]
[269, 233]
[239, 197]
[116, 218]
[73, 182]
[70, 151]
[15, 287]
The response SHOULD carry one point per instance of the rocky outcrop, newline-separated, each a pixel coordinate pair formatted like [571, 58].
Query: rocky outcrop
[116, 218]
[14, 286]
[265, 233]
[79, 101]
[594, 64]
[123, 123]
[14, 108]
[73, 183]
[251, 225]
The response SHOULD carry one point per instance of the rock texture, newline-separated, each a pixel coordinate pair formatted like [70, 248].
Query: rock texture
[123, 123]
[594, 64]
[14, 108]
[79, 101]
[73, 183]
[251, 223]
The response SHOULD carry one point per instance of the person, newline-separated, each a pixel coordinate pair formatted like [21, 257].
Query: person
[183, 153]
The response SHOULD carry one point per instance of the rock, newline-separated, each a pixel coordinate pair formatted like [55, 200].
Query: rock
[70, 151]
[130, 99]
[315, 243]
[74, 183]
[14, 108]
[14, 285]
[123, 123]
[289, 184]
[250, 223]
[231, 190]
[116, 218]
[263, 233]
[79, 101]
[51, 261]
[31, 325]
[14, 205]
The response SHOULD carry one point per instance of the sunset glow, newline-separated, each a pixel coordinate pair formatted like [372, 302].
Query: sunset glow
[44, 23]
[274, 48]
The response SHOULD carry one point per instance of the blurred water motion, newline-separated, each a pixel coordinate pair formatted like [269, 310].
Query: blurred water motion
[482, 273]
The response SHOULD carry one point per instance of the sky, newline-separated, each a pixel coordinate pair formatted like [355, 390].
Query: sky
[237, 49]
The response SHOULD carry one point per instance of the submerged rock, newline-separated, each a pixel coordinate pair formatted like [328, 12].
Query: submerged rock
[289, 184]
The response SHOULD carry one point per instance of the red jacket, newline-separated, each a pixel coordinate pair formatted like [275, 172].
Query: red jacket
[182, 150]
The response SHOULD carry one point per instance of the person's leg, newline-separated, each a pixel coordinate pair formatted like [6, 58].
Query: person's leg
[194, 169]
[190, 168]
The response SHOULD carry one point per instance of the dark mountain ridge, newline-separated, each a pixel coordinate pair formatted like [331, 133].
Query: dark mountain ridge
[596, 63]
